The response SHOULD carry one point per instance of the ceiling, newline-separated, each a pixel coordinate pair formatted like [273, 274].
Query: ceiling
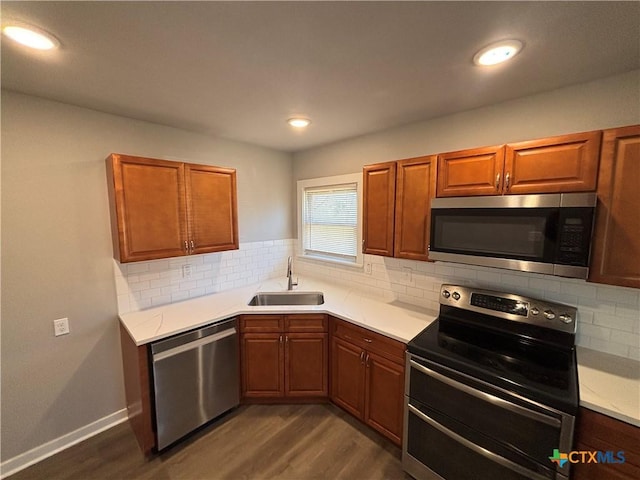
[240, 69]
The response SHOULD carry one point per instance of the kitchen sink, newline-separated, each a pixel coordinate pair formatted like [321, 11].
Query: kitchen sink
[286, 298]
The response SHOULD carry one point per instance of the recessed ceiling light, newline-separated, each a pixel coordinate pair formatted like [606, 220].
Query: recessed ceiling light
[497, 52]
[30, 36]
[299, 122]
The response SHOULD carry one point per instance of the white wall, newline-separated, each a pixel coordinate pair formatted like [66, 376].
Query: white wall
[609, 316]
[57, 254]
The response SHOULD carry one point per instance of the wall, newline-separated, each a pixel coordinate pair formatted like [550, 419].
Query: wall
[57, 254]
[609, 316]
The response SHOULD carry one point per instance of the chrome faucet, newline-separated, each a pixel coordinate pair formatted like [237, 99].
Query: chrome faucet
[291, 283]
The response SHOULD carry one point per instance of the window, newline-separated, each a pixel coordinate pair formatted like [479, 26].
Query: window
[329, 218]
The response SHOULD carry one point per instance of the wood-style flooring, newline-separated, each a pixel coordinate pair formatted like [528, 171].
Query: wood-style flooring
[252, 442]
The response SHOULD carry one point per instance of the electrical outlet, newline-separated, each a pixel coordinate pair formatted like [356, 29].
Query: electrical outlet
[61, 326]
[406, 274]
[186, 271]
[367, 268]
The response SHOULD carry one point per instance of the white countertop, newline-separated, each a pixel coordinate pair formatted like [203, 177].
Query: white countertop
[400, 321]
[608, 384]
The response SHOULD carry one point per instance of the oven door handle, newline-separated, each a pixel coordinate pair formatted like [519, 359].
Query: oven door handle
[476, 448]
[540, 417]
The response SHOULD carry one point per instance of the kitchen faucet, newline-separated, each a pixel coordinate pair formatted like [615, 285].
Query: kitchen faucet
[291, 283]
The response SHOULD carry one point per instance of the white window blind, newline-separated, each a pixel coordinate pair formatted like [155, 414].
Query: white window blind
[330, 221]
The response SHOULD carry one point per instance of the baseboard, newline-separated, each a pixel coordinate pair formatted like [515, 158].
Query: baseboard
[26, 459]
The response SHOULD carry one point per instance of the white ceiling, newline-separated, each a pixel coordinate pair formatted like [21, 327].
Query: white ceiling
[240, 69]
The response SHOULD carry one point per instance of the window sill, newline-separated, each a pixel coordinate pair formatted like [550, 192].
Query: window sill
[319, 259]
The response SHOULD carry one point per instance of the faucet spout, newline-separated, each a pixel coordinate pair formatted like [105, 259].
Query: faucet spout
[290, 283]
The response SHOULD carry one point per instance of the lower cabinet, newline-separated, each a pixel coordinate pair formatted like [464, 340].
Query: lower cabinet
[284, 356]
[367, 377]
[597, 432]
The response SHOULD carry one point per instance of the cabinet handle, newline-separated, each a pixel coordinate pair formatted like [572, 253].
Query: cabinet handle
[286, 339]
[192, 246]
[506, 181]
[186, 246]
[367, 360]
[497, 180]
[367, 340]
[280, 338]
[363, 245]
[362, 357]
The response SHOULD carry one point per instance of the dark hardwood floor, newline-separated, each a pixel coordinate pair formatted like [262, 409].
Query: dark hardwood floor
[252, 442]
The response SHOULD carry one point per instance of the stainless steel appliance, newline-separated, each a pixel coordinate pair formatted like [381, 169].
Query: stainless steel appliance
[196, 378]
[491, 388]
[532, 233]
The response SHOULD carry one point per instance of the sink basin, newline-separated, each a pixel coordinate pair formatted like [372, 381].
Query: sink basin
[287, 298]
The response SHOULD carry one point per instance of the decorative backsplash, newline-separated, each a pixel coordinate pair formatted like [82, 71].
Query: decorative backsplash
[608, 317]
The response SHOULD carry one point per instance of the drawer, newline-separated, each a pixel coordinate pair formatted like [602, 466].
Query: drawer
[262, 323]
[306, 323]
[368, 340]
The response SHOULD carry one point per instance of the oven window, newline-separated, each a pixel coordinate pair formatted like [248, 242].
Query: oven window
[522, 234]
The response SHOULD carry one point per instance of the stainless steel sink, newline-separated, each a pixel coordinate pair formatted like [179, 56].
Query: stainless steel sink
[287, 298]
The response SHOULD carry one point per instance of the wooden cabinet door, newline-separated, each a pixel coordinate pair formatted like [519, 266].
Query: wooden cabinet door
[597, 432]
[567, 163]
[415, 187]
[476, 171]
[347, 376]
[306, 364]
[262, 365]
[148, 209]
[212, 207]
[379, 191]
[615, 255]
[384, 397]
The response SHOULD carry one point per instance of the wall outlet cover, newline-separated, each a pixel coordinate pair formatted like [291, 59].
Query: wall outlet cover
[61, 326]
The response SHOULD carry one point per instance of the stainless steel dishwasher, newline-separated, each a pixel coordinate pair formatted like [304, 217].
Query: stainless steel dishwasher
[196, 378]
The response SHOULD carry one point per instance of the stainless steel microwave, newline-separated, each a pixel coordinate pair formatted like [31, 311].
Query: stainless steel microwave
[548, 233]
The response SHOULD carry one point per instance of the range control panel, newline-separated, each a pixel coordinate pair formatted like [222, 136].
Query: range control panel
[511, 307]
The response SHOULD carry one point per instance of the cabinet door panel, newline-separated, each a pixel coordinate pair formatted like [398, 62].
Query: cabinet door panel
[567, 163]
[262, 360]
[213, 218]
[415, 187]
[306, 323]
[476, 171]
[384, 396]
[347, 377]
[615, 257]
[149, 220]
[379, 190]
[306, 364]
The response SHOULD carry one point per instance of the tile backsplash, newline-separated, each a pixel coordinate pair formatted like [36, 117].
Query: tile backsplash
[608, 317]
[142, 285]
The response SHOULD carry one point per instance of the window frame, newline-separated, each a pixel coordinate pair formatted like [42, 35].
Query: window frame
[337, 180]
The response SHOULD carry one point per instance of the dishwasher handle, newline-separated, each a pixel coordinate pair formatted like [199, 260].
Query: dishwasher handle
[194, 344]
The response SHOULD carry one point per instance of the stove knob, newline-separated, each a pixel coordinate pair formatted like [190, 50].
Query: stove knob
[446, 294]
[549, 315]
[456, 296]
[566, 318]
[535, 311]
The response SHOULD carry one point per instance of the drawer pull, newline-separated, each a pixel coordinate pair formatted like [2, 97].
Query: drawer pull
[367, 340]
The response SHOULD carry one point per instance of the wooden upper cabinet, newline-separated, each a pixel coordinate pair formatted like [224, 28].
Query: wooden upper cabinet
[475, 171]
[615, 255]
[162, 209]
[567, 163]
[148, 208]
[379, 190]
[415, 187]
[213, 216]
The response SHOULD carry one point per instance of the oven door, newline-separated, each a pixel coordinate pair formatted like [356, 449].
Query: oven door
[493, 431]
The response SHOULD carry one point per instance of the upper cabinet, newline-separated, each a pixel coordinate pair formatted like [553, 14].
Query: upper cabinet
[163, 209]
[615, 255]
[397, 198]
[379, 193]
[566, 163]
